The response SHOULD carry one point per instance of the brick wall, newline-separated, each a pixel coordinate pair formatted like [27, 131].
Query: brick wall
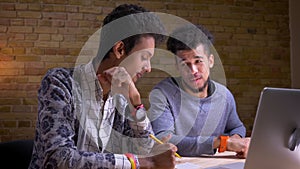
[251, 38]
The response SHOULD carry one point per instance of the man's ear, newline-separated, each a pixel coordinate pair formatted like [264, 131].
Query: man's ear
[211, 60]
[119, 49]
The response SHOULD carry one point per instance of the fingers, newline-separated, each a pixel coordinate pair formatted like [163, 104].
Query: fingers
[166, 159]
[241, 155]
[108, 74]
[173, 147]
[239, 145]
[165, 139]
[163, 148]
[236, 136]
[117, 76]
[103, 79]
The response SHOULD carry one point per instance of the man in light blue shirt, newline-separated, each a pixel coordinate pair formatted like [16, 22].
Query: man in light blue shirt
[198, 112]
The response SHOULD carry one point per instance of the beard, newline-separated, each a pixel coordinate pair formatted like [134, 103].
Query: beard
[196, 90]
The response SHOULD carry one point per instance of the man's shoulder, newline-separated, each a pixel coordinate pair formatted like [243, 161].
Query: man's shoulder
[168, 86]
[223, 90]
[59, 72]
[167, 83]
[220, 86]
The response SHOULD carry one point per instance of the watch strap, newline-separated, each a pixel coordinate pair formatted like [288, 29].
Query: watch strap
[223, 143]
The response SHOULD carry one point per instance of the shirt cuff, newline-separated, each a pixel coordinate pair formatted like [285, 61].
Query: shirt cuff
[122, 161]
[206, 144]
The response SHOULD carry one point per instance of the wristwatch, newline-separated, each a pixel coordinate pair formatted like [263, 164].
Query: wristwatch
[223, 143]
[139, 113]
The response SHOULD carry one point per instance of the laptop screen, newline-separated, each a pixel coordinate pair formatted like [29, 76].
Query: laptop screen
[277, 117]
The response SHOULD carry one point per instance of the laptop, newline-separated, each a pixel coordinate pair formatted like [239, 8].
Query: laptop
[276, 133]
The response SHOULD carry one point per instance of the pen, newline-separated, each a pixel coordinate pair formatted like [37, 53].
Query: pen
[160, 142]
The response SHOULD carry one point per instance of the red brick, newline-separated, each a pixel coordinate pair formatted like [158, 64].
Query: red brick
[72, 9]
[58, 23]
[54, 2]
[34, 7]
[7, 6]
[29, 14]
[9, 124]
[25, 124]
[38, 51]
[21, 108]
[31, 37]
[8, 101]
[57, 37]
[45, 23]
[54, 15]
[4, 21]
[50, 51]
[13, 93]
[90, 17]
[44, 37]
[21, 6]
[71, 23]
[46, 44]
[20, 29]
[75, 16]
[59, 8]
[17, 22]
[28, 58]
[20, 44]
[90, 9]
[8, 14]
[31, 22]
[63, 52]
[17, 37]
[34, 71]
[6, 50]
[45, 29]
[5, 108]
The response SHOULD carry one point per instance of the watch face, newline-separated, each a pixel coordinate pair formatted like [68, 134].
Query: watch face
[137, 115]
[140, 114]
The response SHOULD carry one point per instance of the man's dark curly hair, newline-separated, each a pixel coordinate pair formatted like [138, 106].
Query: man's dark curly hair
[189, 37]
[147, 22]
[123, 10]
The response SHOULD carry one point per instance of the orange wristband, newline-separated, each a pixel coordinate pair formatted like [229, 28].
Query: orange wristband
[223, 143]
[132, 160]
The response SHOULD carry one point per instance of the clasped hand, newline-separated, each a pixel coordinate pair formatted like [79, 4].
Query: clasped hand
[238, 145]
[118, 81]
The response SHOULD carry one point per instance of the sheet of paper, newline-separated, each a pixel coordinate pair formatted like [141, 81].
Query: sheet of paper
[237, 165]
[187, 165]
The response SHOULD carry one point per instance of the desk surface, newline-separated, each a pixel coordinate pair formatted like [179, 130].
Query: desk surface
[209, 161]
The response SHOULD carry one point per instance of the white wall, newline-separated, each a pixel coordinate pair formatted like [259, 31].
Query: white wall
[295, 42]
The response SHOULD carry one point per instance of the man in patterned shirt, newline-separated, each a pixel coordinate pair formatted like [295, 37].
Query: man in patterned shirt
[91, 116]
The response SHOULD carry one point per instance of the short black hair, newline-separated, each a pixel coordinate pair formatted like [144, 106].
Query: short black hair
[144, 24]
[189, 37]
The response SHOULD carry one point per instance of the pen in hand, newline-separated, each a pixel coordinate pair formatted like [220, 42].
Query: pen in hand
[160, 142]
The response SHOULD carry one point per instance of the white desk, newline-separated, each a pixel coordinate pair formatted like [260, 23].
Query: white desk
[210, 161]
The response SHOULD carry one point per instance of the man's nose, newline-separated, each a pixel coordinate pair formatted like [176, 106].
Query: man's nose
[193, 68]
[147, 67]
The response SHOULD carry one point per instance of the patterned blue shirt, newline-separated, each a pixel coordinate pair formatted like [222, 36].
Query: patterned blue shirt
[76, 128]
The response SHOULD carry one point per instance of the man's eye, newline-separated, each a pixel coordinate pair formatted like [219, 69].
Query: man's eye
[145, 57]
[198, 61]
[183, 64]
